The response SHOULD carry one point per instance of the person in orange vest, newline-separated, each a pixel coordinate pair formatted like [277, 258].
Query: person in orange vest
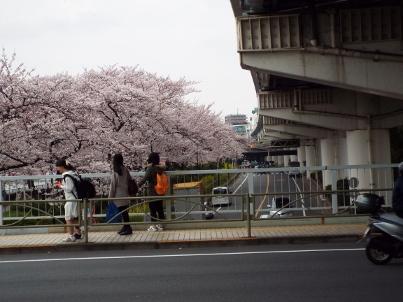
[156, 180]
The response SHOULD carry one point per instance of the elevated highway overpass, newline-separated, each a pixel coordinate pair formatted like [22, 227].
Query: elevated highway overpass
[328, 73]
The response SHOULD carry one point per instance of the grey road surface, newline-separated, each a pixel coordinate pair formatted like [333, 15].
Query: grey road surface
[228, 212]
[265, 183]
[327, 272]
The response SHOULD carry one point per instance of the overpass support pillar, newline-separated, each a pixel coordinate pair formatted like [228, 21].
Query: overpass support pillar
[370, 147]
[327, 156]
[301, 155]
[333, 152]
[280, 160]
[310, 156]
[286, 160]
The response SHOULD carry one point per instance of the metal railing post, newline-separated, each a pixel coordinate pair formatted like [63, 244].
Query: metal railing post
[243, 207]
[1, 199]
[85, 220]
[251, 190]
[334, 194]
[250, 209]
[168, 202]
[248, 215]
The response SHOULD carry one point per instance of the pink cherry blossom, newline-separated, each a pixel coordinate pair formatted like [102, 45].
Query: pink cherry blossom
[100, 112]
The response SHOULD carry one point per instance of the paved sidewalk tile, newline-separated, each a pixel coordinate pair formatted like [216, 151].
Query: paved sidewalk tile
[311, 231]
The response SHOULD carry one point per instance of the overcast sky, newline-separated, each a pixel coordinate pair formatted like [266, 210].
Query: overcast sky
[176, 38]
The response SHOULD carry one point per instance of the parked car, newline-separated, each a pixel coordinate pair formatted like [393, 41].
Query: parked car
[222, 199]
[277, 214]
[276, 208]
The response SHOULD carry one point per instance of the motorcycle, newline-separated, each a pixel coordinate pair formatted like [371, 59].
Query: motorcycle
[384, 234]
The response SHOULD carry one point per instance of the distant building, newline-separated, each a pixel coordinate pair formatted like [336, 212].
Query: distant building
[236, 119]
[239, 123]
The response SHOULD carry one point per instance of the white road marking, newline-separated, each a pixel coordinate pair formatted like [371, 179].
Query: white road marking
[265, 196]
[180, 255]
[246, 177]
[301, 197]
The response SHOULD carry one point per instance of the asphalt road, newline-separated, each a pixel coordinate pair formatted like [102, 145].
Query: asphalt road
[327, 272]
[291, 188]
[227, 212]
[263, 183]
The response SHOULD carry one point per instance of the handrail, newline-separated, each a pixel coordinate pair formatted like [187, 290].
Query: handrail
[319, 200]
[168, 197]
[207, 172]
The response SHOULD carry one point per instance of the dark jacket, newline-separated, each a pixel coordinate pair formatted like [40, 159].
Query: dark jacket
[397, 197]
[151, 179]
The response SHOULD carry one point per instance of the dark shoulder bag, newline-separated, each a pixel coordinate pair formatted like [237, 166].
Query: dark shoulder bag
[132, 185]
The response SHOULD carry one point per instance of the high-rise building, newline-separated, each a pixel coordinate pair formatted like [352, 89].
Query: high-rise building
[239, 123]
[236, 119]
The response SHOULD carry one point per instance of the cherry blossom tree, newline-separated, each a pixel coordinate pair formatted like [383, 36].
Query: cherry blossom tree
[100, 112]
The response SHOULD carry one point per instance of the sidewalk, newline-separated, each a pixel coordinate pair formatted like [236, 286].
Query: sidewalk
[178, 238]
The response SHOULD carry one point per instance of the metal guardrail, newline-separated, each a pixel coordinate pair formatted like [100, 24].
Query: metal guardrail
[86, 217]
[268, 193]
[36, 188]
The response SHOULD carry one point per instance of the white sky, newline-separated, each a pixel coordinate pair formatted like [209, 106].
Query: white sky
[195, 39]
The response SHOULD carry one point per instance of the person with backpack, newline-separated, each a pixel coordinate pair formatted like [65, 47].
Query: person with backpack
[71, 208]
[122, 185]
[156, 180]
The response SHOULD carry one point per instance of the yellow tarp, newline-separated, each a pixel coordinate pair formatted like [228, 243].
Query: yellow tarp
[187, 185]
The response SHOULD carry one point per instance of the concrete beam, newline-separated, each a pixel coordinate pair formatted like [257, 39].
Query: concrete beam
[236, 7]
[388, 120]
[301, 130]
[278, 135]
[261, 80]
[323, 120]
[377, 75]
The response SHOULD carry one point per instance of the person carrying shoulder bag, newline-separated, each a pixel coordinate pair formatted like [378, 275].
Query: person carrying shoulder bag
[122, 185]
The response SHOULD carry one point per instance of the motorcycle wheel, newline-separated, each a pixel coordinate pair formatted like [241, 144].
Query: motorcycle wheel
[375, 253]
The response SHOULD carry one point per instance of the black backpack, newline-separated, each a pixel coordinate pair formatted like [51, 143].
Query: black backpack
[85, 188]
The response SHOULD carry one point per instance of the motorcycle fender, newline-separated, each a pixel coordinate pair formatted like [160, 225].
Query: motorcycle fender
[372, 231]
[387, 228]
[366, 233]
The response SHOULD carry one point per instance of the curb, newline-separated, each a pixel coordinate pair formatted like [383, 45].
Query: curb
[75, 247]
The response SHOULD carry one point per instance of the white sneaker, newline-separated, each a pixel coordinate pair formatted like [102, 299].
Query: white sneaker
[159, 227]
[152, 228]
[71, 238]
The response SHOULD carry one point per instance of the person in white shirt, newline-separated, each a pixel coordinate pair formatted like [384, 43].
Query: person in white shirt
[71, 208]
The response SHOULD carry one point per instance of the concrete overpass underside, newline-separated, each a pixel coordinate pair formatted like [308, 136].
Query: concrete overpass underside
[327, 73]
